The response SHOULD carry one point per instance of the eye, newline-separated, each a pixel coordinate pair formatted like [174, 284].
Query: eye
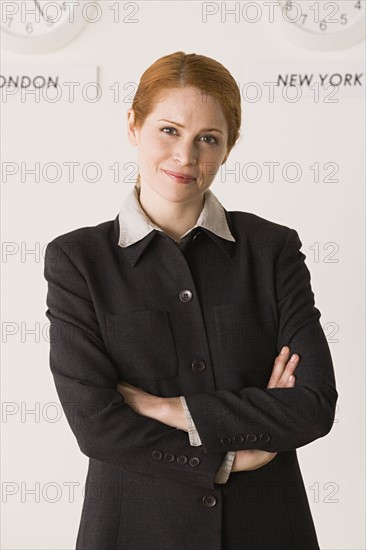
[211, 142]
[168, 128]
[212, 138]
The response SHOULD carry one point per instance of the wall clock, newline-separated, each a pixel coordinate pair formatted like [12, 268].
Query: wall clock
[321, 24]
[41, 26]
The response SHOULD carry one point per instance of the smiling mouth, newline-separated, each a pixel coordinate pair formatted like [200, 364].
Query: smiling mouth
[179, 178]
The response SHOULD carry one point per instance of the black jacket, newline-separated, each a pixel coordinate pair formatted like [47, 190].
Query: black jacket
[123, 314]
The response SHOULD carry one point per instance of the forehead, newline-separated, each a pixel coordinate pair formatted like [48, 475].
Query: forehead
[188, 104]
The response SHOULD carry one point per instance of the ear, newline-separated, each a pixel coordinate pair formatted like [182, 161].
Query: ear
[131, 127]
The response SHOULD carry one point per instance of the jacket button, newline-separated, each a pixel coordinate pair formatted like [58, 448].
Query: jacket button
[265, 437]
[196, 235]
[185, 295]
[182, 459]
[209, 500]
[198, 365]
[194, 461]
[170, 457]
[157, 455]
[239, 438]
[226, 440]
[252, 438]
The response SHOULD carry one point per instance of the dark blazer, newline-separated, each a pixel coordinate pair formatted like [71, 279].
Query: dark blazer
[125, 314]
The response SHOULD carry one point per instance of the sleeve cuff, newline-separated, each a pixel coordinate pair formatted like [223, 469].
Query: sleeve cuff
[223, 473]
[193, 434]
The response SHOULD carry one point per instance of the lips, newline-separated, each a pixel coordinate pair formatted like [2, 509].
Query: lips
[181, 178]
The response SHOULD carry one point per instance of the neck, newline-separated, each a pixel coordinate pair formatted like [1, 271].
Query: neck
[174, 218]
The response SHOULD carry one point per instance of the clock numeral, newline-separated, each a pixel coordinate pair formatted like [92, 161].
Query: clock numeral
[323, 25]
[288, 5]
[343, 19]
[358, 5]
[304, 17]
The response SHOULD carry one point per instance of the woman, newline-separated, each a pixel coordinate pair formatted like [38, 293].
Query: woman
[172, 332]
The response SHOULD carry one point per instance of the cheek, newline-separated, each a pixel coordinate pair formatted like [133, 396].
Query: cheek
[163, 148]
[154, 152]
[212, 157]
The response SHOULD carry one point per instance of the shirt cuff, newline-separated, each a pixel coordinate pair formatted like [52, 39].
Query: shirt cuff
[222, 475]
[193, 434]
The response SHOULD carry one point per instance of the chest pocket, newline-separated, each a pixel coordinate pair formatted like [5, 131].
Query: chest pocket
[247, 340]
[142, 344]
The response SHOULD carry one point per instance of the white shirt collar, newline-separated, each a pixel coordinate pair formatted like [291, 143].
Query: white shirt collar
[134, 224]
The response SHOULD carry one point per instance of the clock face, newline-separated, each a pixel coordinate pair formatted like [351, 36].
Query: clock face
[35, 26]
[323, 24]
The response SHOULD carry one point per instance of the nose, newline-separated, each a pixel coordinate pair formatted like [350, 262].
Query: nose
[186, 153]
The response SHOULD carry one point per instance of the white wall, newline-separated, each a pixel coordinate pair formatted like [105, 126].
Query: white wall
[37, 450]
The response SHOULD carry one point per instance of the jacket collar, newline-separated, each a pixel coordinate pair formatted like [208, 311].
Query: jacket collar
[135, 229]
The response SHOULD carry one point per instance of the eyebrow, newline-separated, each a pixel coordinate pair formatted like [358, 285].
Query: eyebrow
[181, 126]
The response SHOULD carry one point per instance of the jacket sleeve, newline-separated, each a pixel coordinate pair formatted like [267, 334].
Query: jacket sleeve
[194, 437]
[224, 472]
[278, 419]
[86, 378]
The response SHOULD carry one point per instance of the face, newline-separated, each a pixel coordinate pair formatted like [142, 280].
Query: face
[181, 144]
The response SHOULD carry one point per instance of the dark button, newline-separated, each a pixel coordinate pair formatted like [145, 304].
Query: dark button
[265, 437]
[209, 500]
[182, 459]
[226, 440]
[170, 457]
[239, 438]
[157, 455]
[198, 365]
[252, 438]
[194, 461]
[185, 295]
[196, 235]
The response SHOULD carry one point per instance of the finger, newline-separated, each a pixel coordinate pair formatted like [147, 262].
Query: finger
[278, 367]
[289, 371]
[280, 364]
[291, 381]
[123, 383]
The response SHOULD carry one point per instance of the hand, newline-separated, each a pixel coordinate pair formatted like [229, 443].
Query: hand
[168, 410]
[283, 372]
[282, 377]
[141, 401]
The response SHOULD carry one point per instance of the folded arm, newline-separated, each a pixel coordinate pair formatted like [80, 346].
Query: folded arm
[277, 419]
[105, 426]
[173, 411]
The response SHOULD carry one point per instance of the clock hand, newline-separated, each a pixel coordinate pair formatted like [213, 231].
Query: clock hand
[39, 7]
[41, 12]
